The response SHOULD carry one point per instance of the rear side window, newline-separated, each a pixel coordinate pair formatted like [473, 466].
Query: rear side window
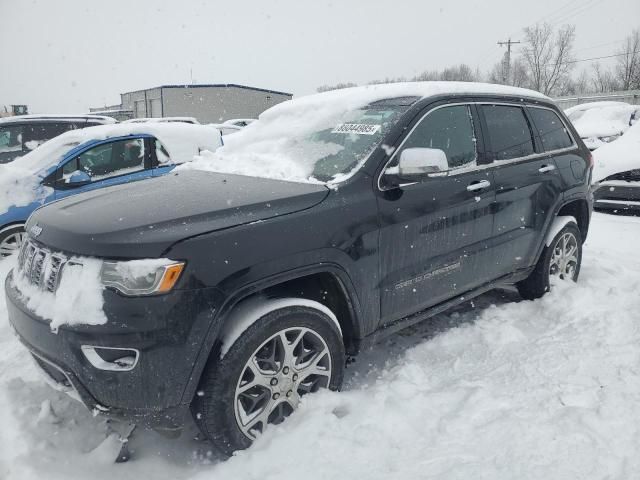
[509, 132]
[552, 131]
[449, 129]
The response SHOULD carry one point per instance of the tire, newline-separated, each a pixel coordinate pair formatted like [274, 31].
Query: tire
[538, 282]
[11, 239]
[220, 406]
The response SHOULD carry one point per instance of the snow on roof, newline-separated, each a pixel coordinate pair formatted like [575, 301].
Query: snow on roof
[589, 105]
[619, 156]
[603, 120]
[357, 97]
[181, 140]
[281, 145]
[51, 116]
[163, 120]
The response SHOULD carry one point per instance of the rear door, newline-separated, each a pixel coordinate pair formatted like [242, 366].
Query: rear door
[527, 185]
[434, 234]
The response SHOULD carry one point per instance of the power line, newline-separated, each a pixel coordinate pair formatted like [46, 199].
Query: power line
[578, 11]
[594, 58]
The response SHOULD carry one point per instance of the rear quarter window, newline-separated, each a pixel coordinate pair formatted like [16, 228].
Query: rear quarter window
[553, 132]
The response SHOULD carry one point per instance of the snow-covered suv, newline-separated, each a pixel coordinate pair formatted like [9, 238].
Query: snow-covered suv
[240, 282]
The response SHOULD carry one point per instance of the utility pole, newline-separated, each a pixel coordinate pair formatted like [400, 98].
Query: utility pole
[506, 67]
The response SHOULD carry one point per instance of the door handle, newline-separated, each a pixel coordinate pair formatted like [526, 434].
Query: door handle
[547, 168]
[479, 185]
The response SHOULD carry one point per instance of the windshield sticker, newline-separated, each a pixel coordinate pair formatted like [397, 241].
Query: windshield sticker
[357, 128]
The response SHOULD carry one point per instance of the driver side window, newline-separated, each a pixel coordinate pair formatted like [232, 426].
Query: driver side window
[109, 160]
[449, 129]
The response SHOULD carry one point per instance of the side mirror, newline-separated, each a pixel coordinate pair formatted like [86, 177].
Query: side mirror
[422, 161]
[78, 179]
[417, 163]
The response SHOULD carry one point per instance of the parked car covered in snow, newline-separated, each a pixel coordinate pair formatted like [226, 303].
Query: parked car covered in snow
[617, 173]
[22, 134]
[88, 159]
[602, 122]
[238, 283]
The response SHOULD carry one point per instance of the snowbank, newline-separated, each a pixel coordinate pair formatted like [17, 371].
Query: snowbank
[498, 389]
[279, 145]
[621, 155]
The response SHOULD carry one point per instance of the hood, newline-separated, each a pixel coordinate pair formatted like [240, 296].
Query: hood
[142, 219]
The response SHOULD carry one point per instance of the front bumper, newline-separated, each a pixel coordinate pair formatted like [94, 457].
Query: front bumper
[169, 331]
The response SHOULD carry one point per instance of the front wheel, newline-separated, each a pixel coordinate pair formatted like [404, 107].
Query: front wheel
[284, 355]
[11, 239]
[561, 259]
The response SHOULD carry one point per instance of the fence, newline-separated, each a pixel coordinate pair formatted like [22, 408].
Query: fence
[629, 96]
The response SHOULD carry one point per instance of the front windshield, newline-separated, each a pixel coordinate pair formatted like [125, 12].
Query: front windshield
[319, 143]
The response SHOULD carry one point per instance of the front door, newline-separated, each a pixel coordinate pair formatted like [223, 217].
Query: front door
[108, 163]
[434, 234]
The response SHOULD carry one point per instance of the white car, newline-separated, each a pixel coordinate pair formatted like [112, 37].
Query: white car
[598, 123]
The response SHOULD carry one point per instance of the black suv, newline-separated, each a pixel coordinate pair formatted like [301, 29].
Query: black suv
[21, 134]
[408, 199]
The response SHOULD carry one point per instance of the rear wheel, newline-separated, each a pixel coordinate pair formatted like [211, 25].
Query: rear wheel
[561, 259]
[11, 239]
[286, 354]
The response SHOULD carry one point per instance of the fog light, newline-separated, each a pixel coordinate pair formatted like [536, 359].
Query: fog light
[114, 359]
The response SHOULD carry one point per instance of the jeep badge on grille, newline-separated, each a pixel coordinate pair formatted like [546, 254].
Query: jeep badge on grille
[35, 230]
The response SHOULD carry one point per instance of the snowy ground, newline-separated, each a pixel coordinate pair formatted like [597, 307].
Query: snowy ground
[499, 389]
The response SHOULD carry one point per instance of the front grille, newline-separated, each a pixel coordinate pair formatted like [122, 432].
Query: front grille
[40, 267]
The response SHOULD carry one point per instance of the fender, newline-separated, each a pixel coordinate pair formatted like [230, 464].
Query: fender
[249, 311]
[558, 224]
[225, 311]
[552, 229]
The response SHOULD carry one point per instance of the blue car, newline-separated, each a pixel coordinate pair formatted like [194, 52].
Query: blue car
[95, 157]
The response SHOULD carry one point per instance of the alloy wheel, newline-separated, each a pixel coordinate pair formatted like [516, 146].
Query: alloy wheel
[291, 363]
[12, 243]
[564, 258]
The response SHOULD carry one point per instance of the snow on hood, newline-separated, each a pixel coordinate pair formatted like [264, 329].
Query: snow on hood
[20, 180]
[606, 120]
[278, 146]
[621, 155]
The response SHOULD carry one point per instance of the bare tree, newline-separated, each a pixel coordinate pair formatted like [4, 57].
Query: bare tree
[547, 56]
[603, 80]
[628, 67]
[337, 86]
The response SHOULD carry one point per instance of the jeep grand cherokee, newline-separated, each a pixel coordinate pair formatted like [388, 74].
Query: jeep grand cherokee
[350, 215]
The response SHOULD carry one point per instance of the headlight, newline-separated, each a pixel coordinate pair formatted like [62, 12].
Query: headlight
[142, 277]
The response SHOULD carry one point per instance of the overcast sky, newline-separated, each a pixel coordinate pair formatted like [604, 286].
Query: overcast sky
[66, 55]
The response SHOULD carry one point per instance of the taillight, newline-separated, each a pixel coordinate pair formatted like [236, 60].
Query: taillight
[590, 159]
